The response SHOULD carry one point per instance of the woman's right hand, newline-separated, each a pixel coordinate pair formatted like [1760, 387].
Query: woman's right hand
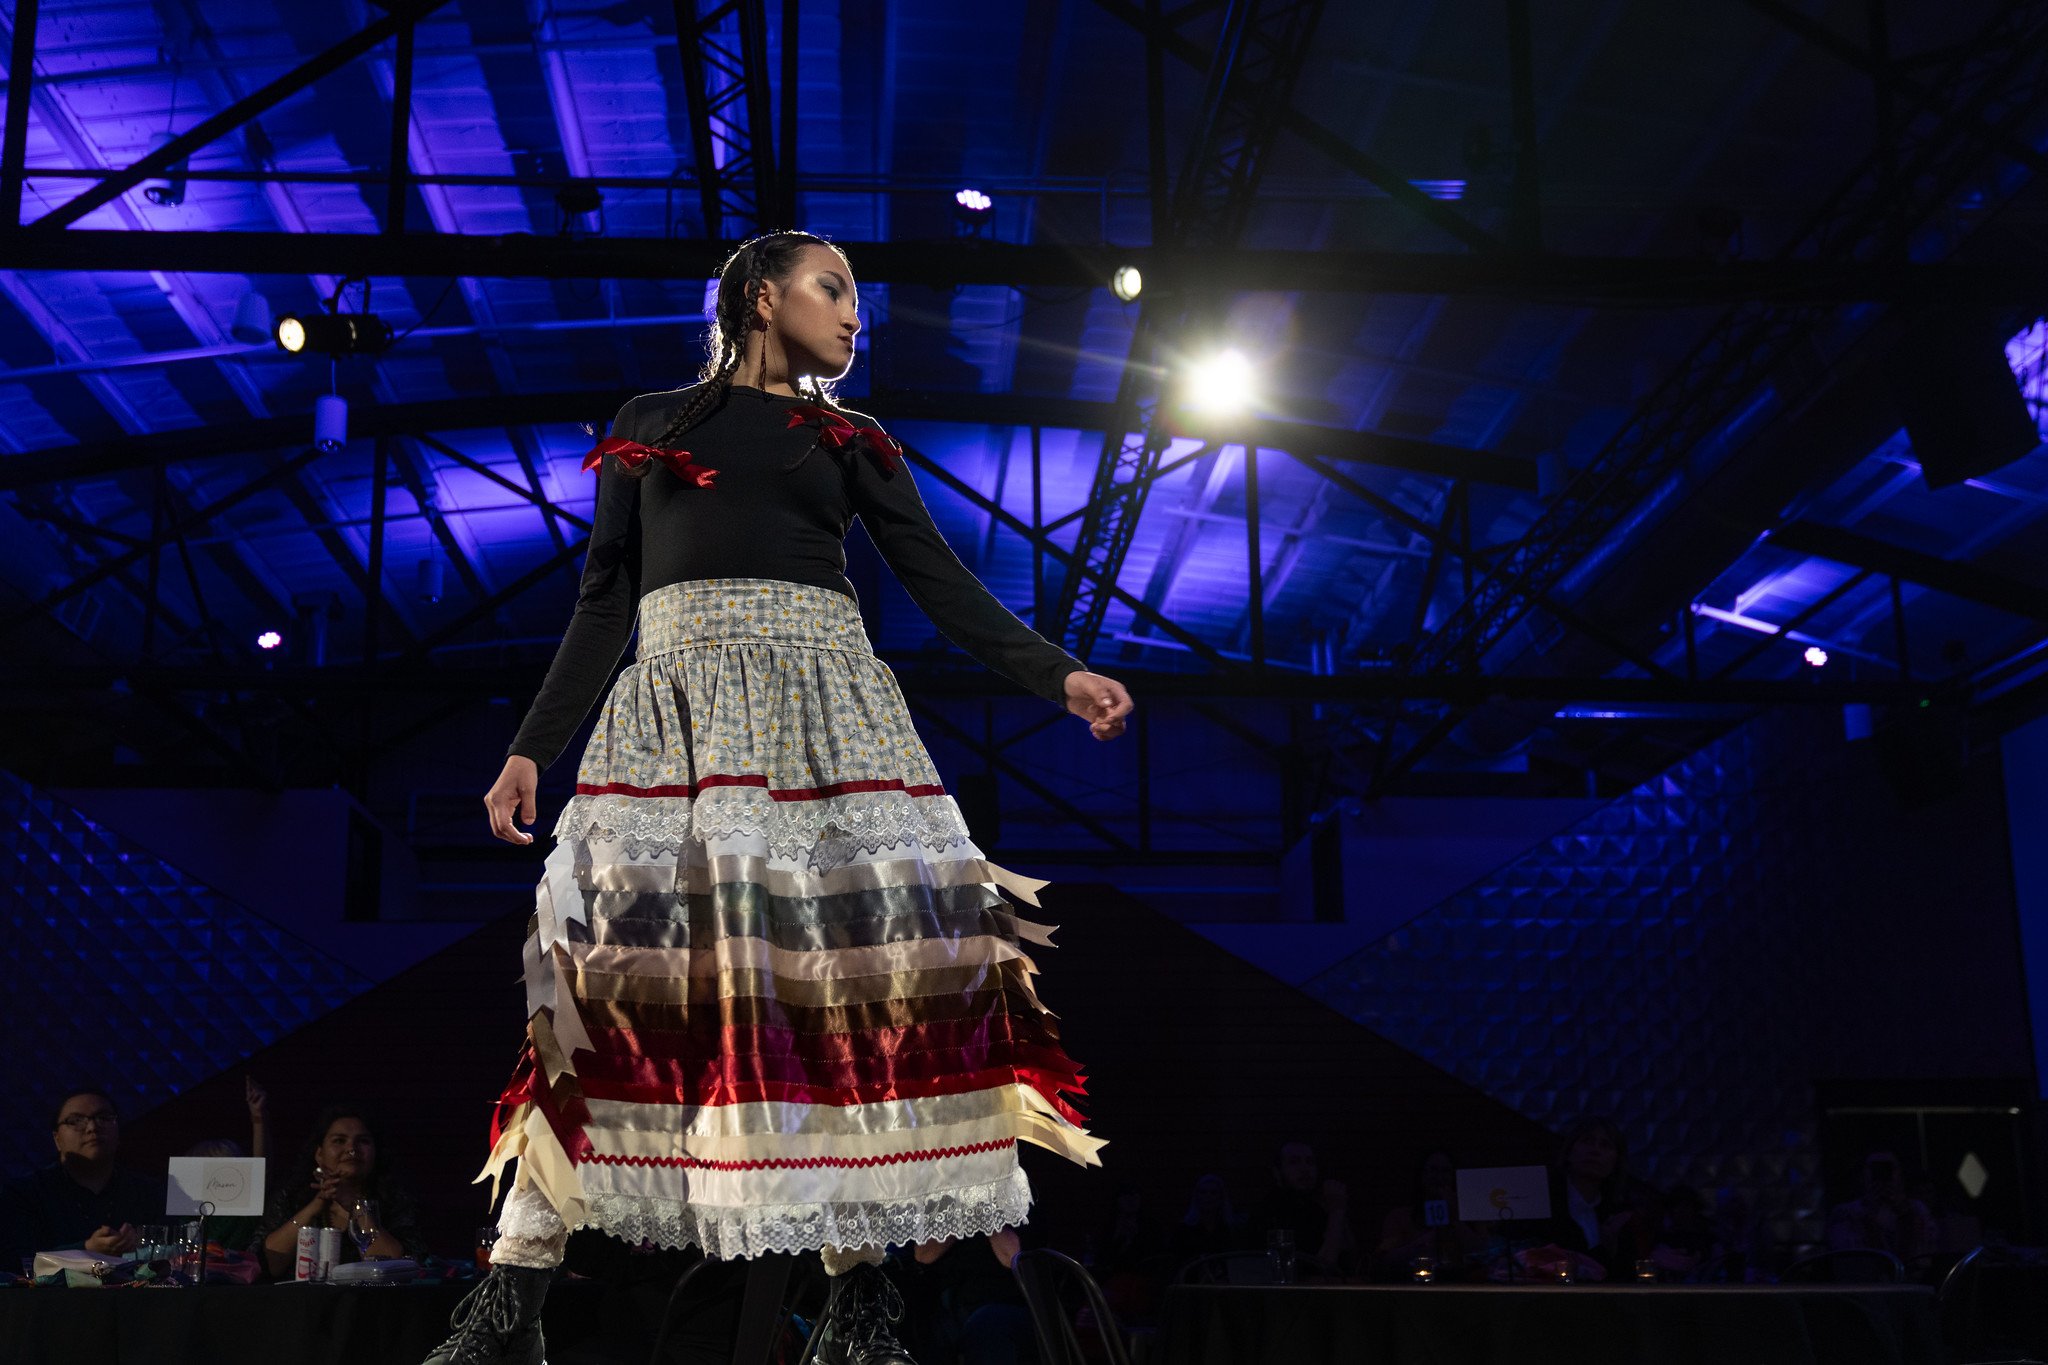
[512, 795]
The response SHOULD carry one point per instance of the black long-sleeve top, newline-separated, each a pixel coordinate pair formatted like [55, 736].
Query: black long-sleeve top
[761, 519]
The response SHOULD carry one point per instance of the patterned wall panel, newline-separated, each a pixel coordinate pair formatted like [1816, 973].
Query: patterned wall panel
[125, 973]
[1692, 957]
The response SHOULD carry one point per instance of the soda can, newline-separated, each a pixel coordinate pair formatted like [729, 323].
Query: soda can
[309, 1253]
[330, 1251]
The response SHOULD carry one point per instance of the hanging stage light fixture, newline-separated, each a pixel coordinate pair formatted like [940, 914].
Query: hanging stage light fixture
[333, 333]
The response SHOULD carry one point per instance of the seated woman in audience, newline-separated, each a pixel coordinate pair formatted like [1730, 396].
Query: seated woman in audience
[1427, 1226]
[1590, 1208]
[339, 1167]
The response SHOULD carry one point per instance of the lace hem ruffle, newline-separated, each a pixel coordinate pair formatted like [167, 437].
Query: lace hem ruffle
[826, 833]
[730, 1233]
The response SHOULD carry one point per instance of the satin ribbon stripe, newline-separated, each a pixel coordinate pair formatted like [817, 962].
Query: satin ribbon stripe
[811, 1163]
[818, 793]
[651, 1091]
[836, 1059]
[808, 1006]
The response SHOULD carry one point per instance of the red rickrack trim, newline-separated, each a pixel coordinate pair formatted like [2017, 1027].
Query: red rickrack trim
[808, 1163]
[885, 784]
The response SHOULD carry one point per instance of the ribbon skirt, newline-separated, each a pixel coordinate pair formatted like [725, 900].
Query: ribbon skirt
[777, 996]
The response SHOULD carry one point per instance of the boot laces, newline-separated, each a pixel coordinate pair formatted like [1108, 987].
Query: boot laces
[876, 1302]
[486, 1319]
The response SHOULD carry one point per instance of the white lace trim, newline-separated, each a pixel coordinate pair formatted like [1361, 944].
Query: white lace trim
[731, 1233]
[826, 833]
[530, 1232]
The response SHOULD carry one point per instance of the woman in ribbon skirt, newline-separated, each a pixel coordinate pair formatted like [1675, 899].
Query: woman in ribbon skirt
[778, 999]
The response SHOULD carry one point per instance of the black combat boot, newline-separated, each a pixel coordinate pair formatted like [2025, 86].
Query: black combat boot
[864, 1302]
[498, 1322]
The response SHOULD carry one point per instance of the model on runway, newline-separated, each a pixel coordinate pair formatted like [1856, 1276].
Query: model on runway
[777, 999]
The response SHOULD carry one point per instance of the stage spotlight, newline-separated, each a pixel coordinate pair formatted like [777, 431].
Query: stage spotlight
[973, 210]
[1222, 383]
[1816, 656]
[429, 580]
[330, 421]
[269, 639]
[167, 190]
[252, 319]
[1126, 283]
[333, 333]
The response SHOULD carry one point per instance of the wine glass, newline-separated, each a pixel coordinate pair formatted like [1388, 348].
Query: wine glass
[362, 1225]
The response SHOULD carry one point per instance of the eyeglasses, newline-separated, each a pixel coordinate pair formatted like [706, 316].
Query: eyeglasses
[80, 1122]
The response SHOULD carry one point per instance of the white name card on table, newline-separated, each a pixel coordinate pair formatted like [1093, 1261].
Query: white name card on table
[1492, 1194]
[231, 1184]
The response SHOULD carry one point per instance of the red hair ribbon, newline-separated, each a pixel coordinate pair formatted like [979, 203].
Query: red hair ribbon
[632, 455]
[835, 431]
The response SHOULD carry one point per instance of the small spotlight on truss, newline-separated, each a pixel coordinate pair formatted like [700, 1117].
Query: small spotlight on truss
[1221, 383]
[269, 639]
[1816, 656]
[167, 190]
[333, 333]
[330, 422]
[1127, 283]
[973, 210]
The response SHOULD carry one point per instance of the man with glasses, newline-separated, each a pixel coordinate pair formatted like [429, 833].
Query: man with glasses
[84, 1199]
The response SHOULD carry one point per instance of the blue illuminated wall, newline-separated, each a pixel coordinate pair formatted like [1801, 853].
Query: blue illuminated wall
[124, 972]
[1694, 956]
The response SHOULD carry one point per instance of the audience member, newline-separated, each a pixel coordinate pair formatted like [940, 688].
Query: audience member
[971, 1308]
[83, 1199]
[1683, 1240]
[340, 1165]
[1885, 1218]
[1426, 1225]
[1212, 1224]
[1589, 1194]
[1314, 1210]
[1126, 1237]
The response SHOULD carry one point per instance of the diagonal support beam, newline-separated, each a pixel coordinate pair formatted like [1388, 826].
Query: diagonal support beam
[1964, 580]
[234, 116]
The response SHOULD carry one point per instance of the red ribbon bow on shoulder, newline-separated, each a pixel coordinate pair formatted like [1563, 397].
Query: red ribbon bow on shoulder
[835, 431]
[632, 455]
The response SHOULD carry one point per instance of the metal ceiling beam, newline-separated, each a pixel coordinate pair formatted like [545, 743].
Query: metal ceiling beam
[234, 116]
[2015, 277]
[213, 441]
[1169, 38]
[21, 75]
[1964, 580]
[1890, 78]
[1259, 53]
[727, 92]
[916, 676]
[1725, 373]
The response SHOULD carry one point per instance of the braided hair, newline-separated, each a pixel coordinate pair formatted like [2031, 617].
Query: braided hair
[770, 256]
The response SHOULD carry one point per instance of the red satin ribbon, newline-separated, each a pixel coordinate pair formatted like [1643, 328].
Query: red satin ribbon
[632, 455]
[835, 431]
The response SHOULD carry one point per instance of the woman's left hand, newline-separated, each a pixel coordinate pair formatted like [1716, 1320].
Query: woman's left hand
[1100, 701]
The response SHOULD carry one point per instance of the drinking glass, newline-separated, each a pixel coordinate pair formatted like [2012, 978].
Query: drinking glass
[1425, 1269]
[1280, 1254]
[486, 1238]
[362, 1226]
[152, 1241]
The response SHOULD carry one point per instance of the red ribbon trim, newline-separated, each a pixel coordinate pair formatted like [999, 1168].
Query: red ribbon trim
[691, 789]
[835, 431]
[631, 455]
[809, 1163]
